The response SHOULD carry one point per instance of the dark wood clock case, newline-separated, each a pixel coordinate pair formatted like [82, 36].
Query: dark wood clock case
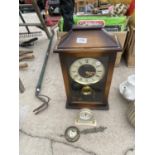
[95, 43]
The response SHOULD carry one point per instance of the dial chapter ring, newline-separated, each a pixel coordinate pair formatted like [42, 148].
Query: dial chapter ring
[92, 77]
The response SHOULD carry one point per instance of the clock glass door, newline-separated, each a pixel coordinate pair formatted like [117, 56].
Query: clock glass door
[87, 76]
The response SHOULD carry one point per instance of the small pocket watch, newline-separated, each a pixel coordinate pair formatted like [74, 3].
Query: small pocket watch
[72, 134]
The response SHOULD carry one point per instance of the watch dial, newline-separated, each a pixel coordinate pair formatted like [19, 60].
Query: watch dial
[86, 114]
[87, 71]
[72, 133]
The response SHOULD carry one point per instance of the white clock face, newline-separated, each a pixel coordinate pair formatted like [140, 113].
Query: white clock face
[86, 114]
[87, 71]
[72, 133]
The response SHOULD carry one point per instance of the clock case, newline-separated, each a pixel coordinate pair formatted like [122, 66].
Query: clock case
[98, 45]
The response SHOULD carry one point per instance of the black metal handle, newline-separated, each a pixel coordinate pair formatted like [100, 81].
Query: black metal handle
[43, 98]
[38, 87]
[28, 42]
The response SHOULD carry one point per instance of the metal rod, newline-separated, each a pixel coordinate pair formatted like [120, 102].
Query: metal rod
[35, 5]
[43, 98]
[44, 65]
[29, 24]
[21, 86]
[31, 33]
[25, 5]
[26, 26]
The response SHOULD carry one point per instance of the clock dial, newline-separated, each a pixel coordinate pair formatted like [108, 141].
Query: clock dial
[87, 71]
[72, 134]
[86, 114]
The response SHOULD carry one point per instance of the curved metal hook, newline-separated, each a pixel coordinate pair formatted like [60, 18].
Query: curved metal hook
[45, 99]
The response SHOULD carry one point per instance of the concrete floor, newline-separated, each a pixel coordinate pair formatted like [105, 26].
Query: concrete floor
[42, 134]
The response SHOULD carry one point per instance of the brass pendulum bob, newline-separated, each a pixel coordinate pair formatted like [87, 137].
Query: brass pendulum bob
[86, 90]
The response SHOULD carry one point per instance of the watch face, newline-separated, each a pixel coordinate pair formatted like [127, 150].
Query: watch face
[87, 71]
[85, 114]
[72, 134]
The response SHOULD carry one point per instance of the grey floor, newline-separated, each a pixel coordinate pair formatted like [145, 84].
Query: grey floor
[42, 134]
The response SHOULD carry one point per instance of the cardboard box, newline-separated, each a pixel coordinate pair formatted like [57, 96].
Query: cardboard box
[116, 1]
[120, 21]
[129, 48]
[80, 4]
[121, 37]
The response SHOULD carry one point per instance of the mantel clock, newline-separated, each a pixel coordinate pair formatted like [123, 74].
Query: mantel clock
[87, 57]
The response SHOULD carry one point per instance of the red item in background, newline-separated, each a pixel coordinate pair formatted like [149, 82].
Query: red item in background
[131, 8]
[28, 1]
[48, 21]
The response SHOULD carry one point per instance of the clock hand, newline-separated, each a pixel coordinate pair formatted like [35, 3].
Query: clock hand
[89, 73]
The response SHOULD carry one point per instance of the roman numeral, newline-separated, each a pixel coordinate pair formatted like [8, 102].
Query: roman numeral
[80, 62]
[86, 60]
[97, 75]
[80, 79]
[98, 66]
[73, 71]
[75, 75]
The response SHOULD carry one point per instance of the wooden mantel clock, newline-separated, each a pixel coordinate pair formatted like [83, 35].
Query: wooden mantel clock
[87, 56]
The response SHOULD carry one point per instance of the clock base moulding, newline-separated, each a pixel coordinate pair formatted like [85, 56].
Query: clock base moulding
[95, 105]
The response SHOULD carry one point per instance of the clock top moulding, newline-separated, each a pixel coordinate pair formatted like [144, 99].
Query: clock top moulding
[96, 39]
